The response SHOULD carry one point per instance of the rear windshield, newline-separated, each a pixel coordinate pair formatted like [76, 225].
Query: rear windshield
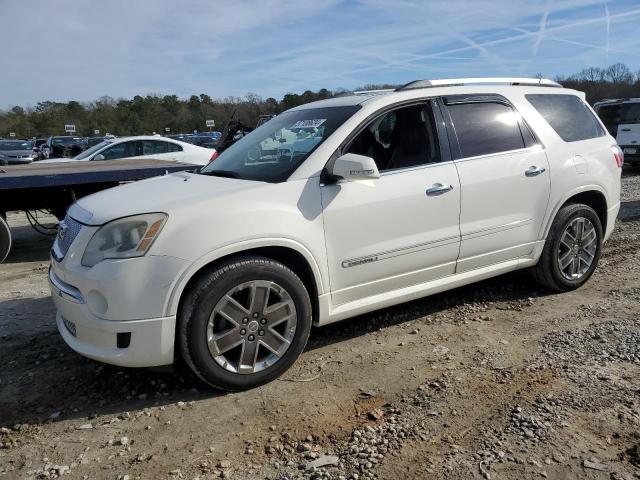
[616, 114]
[568, 116]
[15, 145]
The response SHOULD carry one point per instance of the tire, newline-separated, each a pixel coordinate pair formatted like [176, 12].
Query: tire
[215, 307]
[548, 271]
[5, 237]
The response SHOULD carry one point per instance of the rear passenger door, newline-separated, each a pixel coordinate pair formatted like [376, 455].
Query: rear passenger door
[504, 180]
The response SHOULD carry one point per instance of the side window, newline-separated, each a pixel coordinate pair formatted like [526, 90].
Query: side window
[402, 138]
[174, 147]
[567, 115]
[151, 147]
[115, 152]
[486, 128]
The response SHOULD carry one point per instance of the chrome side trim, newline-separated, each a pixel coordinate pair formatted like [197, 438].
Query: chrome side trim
[354, 262]
[64, 290]
[496, 229]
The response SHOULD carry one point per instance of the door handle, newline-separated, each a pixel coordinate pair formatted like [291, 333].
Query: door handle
[534, 171]
[626, 129]
[438, 189]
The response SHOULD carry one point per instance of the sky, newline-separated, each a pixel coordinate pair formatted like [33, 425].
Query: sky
[83, 49]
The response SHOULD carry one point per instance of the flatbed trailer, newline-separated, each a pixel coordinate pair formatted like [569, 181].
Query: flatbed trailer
[55, 186]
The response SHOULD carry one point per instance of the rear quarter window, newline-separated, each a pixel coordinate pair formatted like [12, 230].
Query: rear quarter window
[568, 116]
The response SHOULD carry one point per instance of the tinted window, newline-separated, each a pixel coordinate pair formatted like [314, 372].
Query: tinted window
[567, 115]
[150, 147]
[173, 147]
[120, 150]
[486, 128]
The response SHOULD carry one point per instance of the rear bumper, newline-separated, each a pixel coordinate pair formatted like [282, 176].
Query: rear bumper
[612, 214]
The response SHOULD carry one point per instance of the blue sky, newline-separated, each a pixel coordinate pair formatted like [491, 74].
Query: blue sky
[75, 49]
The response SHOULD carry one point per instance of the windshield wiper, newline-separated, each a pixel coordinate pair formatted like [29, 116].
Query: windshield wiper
[221, 173]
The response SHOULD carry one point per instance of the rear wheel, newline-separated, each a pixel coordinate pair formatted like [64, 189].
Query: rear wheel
[572, 249]
[244, 323]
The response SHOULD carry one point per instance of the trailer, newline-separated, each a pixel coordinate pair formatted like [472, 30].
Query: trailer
[55, 186]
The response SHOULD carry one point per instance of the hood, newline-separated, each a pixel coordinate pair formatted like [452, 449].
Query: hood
[160, 194]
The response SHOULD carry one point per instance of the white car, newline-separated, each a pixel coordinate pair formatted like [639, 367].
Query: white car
[401, 194]
[622, 119]
[142, 147]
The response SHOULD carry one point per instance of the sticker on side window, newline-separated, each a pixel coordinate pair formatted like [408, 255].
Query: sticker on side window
[308, 123]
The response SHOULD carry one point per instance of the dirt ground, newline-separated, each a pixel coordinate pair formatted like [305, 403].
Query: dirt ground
[497, 380]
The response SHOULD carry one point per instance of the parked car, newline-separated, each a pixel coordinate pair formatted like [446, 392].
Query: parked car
[395, 195]
[622, 119]
[159, 148]
[62, 147]
[16, 152]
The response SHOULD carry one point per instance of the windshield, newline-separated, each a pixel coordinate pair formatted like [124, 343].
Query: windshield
[614, 115]
[90, 151]
[16, 145]
[65, 140]
[272, 152]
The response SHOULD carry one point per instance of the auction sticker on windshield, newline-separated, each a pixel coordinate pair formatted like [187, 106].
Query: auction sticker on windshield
[309, 123]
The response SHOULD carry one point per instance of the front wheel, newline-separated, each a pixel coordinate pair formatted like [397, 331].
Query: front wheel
[572, 249]
[244, 323]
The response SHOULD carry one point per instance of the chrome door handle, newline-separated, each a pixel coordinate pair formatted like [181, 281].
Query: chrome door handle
[438, 189]
[534, 171]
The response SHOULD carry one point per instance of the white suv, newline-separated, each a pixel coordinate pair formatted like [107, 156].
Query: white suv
[373, 199]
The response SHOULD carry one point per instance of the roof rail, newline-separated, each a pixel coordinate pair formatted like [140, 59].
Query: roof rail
[374, 92]
[614, 100]
[451, 82]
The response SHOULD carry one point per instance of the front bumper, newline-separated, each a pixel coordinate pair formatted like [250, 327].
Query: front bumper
[133, 343]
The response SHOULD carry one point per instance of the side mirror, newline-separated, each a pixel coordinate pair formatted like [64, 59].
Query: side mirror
[352, 166]
[98, 157]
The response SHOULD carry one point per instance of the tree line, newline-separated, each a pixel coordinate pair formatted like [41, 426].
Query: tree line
[155, 113]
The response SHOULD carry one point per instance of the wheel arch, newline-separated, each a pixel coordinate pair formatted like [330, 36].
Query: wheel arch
[593, 196]
[290, 253]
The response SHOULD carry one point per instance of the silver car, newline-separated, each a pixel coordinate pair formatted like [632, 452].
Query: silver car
[16, 152]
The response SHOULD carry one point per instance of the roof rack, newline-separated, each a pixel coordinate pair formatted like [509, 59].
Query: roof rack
[614, 100]
[454, 82]
[374, 92]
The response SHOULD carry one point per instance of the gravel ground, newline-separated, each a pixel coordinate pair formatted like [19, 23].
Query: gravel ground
[498, 380]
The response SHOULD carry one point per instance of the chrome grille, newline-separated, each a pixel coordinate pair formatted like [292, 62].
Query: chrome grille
[68, 230]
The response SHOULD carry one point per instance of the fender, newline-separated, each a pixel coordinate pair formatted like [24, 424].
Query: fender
[563, 200]
[171, 306]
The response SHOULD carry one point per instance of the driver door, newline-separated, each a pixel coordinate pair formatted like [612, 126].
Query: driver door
[401, 229]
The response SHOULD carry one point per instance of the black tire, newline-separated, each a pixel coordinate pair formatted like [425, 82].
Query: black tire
[5, 237]
[547, 271]
[208, 290]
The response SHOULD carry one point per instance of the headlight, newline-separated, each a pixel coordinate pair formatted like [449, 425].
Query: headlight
[124, 238]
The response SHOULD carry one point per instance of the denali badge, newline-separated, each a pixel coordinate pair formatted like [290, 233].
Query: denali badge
[359, 261]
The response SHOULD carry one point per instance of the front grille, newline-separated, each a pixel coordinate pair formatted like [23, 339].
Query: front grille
[68, 230]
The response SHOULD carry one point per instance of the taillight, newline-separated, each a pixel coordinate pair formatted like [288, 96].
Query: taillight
[618, 155]
[214, 155]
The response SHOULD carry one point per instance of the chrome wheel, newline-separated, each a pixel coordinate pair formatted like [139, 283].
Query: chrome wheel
[577, 248]
[251, 326]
